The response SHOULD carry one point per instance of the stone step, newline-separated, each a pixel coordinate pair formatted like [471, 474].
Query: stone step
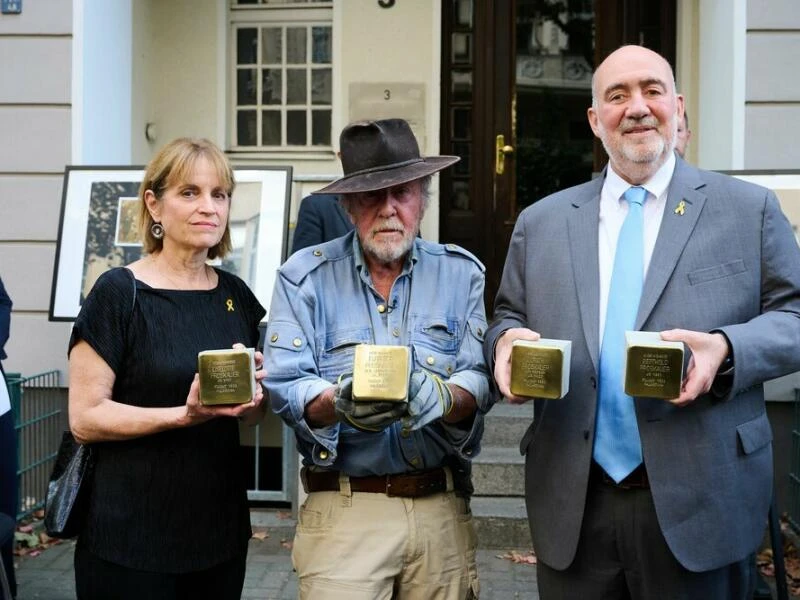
[506, 424]
[273, 519]
[501, 523]
[499, 471]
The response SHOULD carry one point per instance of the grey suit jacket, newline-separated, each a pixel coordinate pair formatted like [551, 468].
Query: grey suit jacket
[729, 262]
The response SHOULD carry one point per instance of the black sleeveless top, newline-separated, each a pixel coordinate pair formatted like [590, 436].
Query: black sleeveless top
[175, 501]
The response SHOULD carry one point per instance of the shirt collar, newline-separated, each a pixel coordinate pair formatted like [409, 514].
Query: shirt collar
[656, 185]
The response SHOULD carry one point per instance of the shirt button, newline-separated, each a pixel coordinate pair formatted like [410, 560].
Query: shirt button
[323, 454]
[396, 332]
[405, 432]
[317, 253]
[415, 461]
[274, 337]
[297, 342]
[381, 308]
[480, 332]
[449, 370]
[430, 360]
[468, 451]
[593, 381]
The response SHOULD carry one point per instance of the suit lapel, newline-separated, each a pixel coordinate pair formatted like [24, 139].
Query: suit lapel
[582, 226]
[681, 212]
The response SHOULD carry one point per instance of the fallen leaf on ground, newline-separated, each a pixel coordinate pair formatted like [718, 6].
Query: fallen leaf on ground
[525, 558]
[791, 560]
[260, 534]
[286, 544]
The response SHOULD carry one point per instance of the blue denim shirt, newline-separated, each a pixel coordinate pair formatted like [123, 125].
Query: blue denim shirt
[324, 304]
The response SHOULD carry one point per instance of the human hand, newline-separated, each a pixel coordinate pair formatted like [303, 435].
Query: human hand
[364, 416]
[195, 412]
[502, 360]
[429, 398]
[708, 351]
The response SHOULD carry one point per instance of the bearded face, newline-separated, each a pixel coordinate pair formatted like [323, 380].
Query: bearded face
[388, 220]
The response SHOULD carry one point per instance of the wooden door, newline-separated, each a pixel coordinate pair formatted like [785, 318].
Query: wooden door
[516, 84]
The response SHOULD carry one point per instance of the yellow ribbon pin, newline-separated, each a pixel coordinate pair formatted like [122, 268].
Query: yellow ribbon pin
[681, 208]
[229, 304]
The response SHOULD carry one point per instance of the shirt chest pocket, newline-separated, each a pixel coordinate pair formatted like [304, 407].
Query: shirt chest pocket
[338, 350]
[435, 341]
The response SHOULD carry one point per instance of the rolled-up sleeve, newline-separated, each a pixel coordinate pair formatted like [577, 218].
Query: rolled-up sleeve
[292, 379]
[471, 372]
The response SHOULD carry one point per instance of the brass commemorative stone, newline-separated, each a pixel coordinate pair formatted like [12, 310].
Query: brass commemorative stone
[226, 376]
[380, 373]
[653, 367]
[540, 369]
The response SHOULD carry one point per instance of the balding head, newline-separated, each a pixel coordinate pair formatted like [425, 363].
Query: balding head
[635, 111]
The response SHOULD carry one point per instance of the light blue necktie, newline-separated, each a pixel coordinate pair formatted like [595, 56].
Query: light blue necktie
[617, 447]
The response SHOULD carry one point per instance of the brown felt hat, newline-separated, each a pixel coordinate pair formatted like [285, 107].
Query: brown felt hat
[379, 154]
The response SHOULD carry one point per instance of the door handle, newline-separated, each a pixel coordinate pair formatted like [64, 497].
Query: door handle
[503, 150]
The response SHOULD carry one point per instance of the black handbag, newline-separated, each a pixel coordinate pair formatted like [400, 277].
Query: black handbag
[67, 500]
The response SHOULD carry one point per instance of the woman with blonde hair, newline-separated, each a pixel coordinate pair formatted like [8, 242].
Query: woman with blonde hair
[168, 517]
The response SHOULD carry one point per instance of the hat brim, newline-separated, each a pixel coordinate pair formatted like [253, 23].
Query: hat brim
[385, 178]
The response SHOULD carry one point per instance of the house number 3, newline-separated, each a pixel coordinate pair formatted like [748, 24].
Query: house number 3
[387, 94]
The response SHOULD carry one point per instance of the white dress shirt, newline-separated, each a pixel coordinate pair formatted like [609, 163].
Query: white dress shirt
[614, 209]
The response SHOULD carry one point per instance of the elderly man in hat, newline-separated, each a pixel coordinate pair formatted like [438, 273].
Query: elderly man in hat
[388, 482]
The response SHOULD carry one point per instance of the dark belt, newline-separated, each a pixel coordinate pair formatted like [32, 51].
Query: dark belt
[637, 480]
[406, 485]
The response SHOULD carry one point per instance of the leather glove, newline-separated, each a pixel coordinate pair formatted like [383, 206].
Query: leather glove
[429, 399]
[364, 416]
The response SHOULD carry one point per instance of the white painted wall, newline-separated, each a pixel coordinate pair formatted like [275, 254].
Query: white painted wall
[35, 144]
[721, 84]
[102, 111]
[772, 114]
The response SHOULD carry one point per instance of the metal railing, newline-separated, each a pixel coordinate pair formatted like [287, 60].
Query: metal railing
[40, 416]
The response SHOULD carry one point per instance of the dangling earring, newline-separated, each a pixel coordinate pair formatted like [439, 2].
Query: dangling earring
[157, 230]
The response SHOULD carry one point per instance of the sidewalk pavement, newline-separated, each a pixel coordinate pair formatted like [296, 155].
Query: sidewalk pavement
[49, 576]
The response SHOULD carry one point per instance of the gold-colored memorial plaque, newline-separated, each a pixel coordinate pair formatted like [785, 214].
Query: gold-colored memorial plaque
[653, 367]
[540, 369]
[380, 373]
[226, 376]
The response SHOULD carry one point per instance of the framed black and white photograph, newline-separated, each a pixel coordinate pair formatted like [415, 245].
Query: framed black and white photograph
[99, 230]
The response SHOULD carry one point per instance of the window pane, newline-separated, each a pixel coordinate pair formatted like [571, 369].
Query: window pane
[245, 86]
[462, 166]
[463, 10]
[271, 86]
[461, 195]
[296, 45]
[321, 128]
[321, 45]
[296, 86]
[246, 127]
[270, 128]
[271, 38]
[296, 127]
[462, 86]
[321, 86]
[461, 123]
[462, 47]
[246, 46]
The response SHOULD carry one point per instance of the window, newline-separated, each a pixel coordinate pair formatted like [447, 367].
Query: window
[282, 74]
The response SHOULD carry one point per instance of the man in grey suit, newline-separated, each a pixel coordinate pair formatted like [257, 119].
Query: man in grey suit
[679, 505]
